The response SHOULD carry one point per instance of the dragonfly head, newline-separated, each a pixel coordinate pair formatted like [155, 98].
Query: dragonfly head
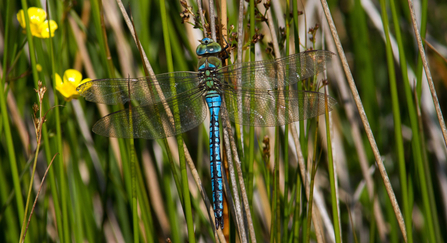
[208, 46]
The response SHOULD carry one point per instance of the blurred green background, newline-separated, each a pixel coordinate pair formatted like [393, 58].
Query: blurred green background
[87, 195]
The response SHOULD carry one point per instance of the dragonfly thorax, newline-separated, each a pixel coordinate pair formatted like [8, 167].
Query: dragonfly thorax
[208, 71]
[210, 82]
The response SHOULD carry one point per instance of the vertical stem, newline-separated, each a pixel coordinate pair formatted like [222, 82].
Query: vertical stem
[396, 114]
[312, 180]
[332, 177]
[170, 205]
[62, 219]
[251, 129]
[275, 229]
[423, 26]
[299, 186]
[62, 174]
[133, 175]
[5, 118]
[431, 213]
[364, 118]
[30, 184]
[277, 189]
[240, 43]
[212, 20]
[286, 139]
[183, 172]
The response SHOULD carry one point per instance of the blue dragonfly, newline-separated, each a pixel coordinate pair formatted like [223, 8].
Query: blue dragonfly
[165, 108]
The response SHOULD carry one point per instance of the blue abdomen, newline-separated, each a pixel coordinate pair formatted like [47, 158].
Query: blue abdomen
[214, 100]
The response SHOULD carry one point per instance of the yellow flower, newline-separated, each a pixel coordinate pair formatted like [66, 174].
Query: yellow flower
[38, 24]
[67, 87]
[45, 31]
[38, 67]
[36, 16]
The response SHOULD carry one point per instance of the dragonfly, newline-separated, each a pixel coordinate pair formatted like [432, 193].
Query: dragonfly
[169, 104]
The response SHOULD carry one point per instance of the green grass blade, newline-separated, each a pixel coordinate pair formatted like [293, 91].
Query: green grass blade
[397, 123]
[251, 137]
[332, 180]
[65, 196]
[182, 159]
[7, 128]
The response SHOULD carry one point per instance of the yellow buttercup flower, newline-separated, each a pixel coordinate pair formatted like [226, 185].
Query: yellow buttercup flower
[67, 86]
[36, 16]
[38, 24]
[45, 31]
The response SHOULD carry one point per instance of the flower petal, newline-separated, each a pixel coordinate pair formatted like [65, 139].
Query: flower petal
[67, 87]
[59, 82]
[36, 15]
[68, 91]
[73, 77]
[21, 18]
[44, 31]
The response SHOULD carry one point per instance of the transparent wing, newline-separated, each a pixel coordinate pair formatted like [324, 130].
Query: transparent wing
[274, 107]
[143, 90]
[271, 74]
[153, 121]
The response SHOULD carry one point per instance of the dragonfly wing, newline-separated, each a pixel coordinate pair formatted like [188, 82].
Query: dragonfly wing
[143, 90]
[271, 74]
[187, 111]
[275, 107]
